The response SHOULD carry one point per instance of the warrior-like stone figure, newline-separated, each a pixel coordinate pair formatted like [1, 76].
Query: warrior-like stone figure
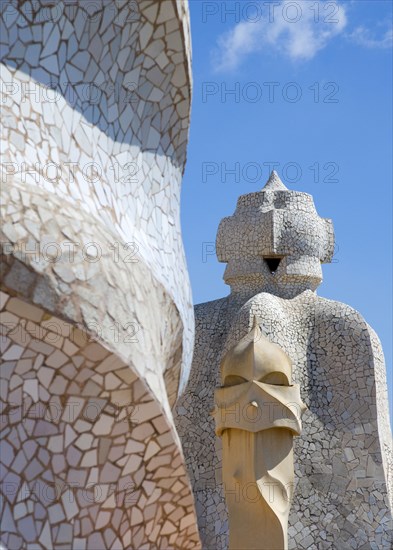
[257, 414]
[274, 246]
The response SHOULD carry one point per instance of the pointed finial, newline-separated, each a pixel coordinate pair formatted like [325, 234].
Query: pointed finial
[274, 183]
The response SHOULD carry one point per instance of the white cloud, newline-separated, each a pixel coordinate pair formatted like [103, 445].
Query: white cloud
[364, 37]
[296, 29]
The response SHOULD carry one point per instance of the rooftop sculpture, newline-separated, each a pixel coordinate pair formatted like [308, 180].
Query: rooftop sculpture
[98, 325]
[274, 245]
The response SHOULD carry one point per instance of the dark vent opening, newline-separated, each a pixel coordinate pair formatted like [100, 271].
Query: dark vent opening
[272, 264]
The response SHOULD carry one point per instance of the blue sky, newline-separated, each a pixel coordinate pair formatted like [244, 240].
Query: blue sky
[311, 94]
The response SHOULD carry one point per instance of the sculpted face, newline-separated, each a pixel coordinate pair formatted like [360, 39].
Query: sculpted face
[257, 393]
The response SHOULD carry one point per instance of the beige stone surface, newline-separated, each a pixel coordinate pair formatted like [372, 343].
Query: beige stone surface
[258, 411]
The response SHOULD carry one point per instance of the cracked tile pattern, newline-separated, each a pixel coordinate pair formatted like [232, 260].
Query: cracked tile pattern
[95, 112]
[88, 458]
[101, 120]
[343, 458]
